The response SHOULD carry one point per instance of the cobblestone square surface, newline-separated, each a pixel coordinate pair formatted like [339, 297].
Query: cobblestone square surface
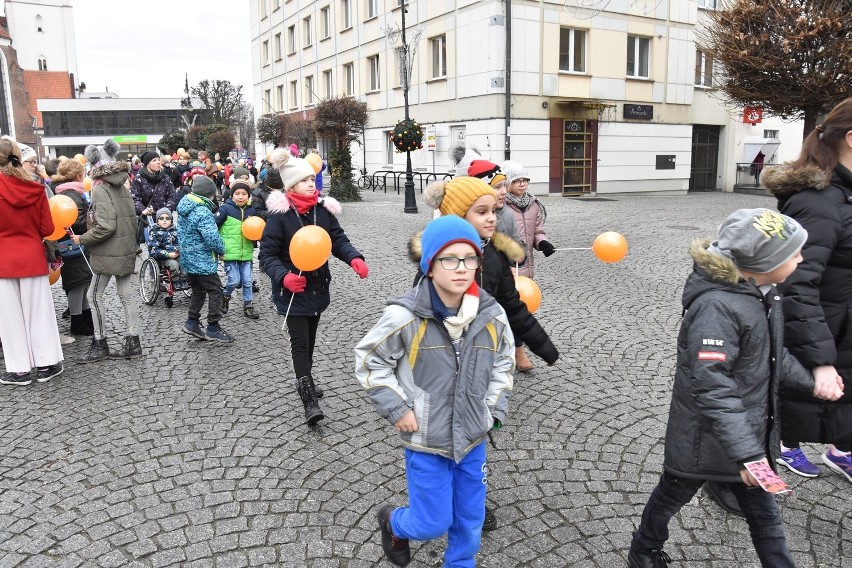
[197, 455]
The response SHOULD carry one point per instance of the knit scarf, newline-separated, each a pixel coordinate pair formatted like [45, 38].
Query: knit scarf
[152, 177]
[522, 202]
[456, 324]
[303, 203]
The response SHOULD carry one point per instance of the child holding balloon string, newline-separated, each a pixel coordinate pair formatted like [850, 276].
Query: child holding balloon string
[297, 264]
[239, 249]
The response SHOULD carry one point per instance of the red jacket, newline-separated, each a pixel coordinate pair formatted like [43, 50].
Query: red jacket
[24, 221]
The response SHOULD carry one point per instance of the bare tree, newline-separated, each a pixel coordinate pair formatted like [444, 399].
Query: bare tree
[302, 133]
[792, 57]
[272, 129]
[246, 124]
[222, 99]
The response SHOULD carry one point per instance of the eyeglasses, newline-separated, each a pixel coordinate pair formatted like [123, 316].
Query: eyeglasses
[453, 262]
[164, 218]
[30, 162]
[522, 181]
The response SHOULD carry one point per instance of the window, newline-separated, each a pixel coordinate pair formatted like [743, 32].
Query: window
[438, 45]
[390, 149]
[401, 2]
[329, 86]
[276, 4]
[42, 63]
[770, 134]
[349, 74]
[39, 24]
[572, 50]
[372, 8]
[267, 98]
[279, 93]
[707, 4]
[638, 52]
[277, 47]
[346, 12]
[264, 56]
[291, 39]
[373, 66]
[309, 36]
[309, 90]
[294, 99]
[325, 22]
[261, 8]
[703, 69]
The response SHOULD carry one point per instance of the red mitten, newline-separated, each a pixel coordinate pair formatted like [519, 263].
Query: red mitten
[360, 268]
[295, 283]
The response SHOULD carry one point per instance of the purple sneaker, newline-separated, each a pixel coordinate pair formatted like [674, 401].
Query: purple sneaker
[795, 461]
[840, 464]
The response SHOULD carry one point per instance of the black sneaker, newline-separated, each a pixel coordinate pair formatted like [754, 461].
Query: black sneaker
[216, 333]
[44, 374]
[490, 522]
[193, 328]
[15, 379]
[255, 288]
[249, 312]
[639, 557]
[396, 549]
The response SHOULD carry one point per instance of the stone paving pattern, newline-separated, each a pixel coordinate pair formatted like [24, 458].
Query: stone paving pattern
[197, 455]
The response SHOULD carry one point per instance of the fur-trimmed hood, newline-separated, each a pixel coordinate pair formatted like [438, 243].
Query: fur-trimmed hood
[784, 180]
[277, 202]
[714, 272]
[504, 243]
[716, 266]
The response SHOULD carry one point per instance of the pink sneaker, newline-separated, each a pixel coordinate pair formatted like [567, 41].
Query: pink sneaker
[840, 464]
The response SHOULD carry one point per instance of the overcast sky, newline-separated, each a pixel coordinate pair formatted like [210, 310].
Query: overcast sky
[144, 49]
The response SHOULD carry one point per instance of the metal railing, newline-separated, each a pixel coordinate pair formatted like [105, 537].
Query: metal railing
[383, 179]
[748, 175]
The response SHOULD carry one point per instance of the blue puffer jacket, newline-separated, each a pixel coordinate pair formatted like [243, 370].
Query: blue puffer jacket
[162, 242]
[198, 235]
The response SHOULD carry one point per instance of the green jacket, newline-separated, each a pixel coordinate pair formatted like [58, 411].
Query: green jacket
[112, 238]
[230, 219]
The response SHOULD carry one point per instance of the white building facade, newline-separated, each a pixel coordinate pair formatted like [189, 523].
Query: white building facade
[610, 103]
[43, 33]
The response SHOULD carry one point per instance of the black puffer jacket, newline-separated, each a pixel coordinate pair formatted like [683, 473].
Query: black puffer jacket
[274, 256]
[495, 277]
[818, 296]
[725, 397]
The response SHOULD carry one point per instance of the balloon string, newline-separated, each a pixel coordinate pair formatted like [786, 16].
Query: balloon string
[292, 295]
[83, 254]
[574, 248]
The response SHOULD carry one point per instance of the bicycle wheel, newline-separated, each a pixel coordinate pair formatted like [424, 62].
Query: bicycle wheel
[149, 281]
[363, 182]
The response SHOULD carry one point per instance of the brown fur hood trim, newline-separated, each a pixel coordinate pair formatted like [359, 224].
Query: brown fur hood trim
[109, 168]
[785, 180]
[717, 266]
[504, 243]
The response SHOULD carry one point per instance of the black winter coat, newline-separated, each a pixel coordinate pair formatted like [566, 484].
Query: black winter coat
[281, 224]
[818, 296]
[75, 270]
[495, 277]
[157, 194]
[258, 200]
[730, 361]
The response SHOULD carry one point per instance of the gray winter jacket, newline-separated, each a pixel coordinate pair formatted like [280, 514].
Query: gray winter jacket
[407, 362]
[730, 360]
[112, 238]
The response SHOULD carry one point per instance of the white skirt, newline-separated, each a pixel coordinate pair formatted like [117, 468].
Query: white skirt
[28, 327]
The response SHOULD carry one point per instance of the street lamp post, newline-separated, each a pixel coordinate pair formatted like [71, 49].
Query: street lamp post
[410, 200]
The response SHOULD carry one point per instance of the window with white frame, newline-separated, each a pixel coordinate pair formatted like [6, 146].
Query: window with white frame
[291, 39]
[325, 22]
[267, 98]
[276, 45]
[572, 50]
[349, 75]
[309, 90]
[390, 149]
[261, 8]
[39, 23]
[373, 66]
[638, 56]
[346, 13]
[279, 95]
[703, 69]
[328, 84]
[707, 4]
[276, 4]
[372, 8]
[294, 94]
[438, 47]
[309, 36]
[264, 55]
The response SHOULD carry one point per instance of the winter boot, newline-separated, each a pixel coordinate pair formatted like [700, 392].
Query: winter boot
[249, 312]
[132, 349]
[88, 321]
[79, 326]
[225, 303]
[522, 362]
[98, 351]
[313, 413]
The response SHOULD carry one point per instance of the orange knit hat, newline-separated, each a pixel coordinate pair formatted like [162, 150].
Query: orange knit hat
[455, 197]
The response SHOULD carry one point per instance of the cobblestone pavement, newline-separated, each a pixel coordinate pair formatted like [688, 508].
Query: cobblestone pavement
[197, 455]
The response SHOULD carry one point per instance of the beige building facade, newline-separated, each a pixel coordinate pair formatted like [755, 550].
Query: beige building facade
[599, 103]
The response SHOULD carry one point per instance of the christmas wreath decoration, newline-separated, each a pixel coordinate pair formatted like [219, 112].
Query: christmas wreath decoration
[407, 135]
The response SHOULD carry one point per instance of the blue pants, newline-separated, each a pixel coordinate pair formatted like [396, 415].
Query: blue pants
[236, 272]
[444, 497]
[764, 521]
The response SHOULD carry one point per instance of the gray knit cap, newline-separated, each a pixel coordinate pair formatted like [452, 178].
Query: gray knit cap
[759, 240]
[203, 186]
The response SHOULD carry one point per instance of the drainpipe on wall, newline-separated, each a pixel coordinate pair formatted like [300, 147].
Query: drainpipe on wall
[507, 152]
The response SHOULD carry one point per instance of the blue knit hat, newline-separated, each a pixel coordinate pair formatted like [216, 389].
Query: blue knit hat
[441, 233]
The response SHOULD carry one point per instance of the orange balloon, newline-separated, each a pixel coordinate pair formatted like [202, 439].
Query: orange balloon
[310, 248]
[63, 210]
[53, 276]
[253, 228]
[58, 234]
[315, 161]
[610, 246]
[87, 183]
[529, 292]
[80, 158]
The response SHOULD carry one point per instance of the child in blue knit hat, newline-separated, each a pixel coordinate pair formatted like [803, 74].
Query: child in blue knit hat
[442, 355]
